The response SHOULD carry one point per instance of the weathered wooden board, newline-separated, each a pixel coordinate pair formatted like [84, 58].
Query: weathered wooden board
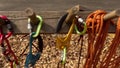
[50, 5]
[19, 21]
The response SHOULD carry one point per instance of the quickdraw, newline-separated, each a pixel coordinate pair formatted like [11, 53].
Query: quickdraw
[80, 28]
[7, 51]
[63, 42]
[32, 59]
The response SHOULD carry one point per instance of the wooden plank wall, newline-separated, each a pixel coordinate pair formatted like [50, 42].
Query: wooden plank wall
[19, 21]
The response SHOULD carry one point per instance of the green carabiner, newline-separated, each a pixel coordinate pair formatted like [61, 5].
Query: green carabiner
[64, 56]
[80, 20]
[39, 25]
[82, 32]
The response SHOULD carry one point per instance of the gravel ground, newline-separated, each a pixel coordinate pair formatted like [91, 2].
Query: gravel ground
[51, 55]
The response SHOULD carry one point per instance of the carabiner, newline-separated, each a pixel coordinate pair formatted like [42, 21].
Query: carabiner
[38, 27]
[64, 56]
[78, 22]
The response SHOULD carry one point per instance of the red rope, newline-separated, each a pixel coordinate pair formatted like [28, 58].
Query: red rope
[8, 52]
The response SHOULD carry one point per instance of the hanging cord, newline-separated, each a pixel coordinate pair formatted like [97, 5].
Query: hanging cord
[97, 30]
[7, 51]
[80, 51]
[112, 49]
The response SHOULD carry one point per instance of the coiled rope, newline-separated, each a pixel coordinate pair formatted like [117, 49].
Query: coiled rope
[97, 30]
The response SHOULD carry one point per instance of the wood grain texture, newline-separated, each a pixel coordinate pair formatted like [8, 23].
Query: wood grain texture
[19, 21]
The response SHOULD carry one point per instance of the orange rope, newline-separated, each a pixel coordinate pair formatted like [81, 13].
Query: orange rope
[97, 32]
[112, 50]
[115, 63]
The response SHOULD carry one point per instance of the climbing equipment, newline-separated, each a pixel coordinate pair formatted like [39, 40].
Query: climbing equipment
[63, 57]
[38, 27]
[31, 58]
[97, 31]
[112, 50]
[61, 22]
[80, 25]
[63, 42]
[6, 49]
[95, 25]
[80, 28]
[81, 48]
